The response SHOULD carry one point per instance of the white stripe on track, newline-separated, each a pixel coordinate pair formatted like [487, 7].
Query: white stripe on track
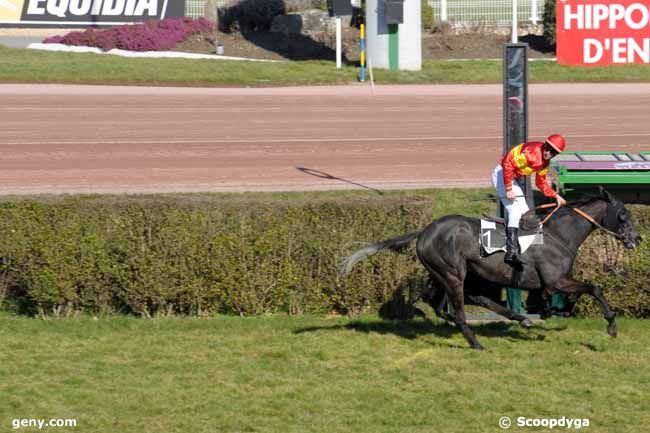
[305, 140]
[252, 141]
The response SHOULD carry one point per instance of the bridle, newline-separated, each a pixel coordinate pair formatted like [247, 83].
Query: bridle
[580, 212]
[598, 225]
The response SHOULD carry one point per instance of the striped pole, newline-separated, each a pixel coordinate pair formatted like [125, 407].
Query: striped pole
[362, 44]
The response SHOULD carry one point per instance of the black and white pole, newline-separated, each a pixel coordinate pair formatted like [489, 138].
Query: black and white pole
[515, 128]
[515, 103]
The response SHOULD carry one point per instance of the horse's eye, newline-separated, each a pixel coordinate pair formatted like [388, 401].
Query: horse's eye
[622, 216]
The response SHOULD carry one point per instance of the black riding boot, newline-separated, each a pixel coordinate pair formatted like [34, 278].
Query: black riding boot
[512, 248]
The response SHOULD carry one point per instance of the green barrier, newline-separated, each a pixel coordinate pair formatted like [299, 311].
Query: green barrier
[514, 301]
[626, 175]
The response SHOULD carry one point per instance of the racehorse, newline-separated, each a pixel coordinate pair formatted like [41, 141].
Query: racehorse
[449, 250]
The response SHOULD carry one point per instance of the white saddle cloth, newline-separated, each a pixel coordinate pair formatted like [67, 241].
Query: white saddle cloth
[493, 238]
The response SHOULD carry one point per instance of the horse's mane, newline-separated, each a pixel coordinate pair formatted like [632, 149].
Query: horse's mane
[584, 201]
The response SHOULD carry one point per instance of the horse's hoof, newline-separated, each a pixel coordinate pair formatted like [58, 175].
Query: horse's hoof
[478, 347]
[612, 331]
[526, 323]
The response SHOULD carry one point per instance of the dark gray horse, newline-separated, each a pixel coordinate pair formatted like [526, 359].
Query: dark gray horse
[448, 248]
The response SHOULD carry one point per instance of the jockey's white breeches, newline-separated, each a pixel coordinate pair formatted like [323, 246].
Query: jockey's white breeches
[516, 208]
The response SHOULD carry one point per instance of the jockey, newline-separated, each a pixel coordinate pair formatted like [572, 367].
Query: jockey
[524, 160]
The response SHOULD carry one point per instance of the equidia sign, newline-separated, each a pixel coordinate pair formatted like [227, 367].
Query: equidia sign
[602, 32]
[86, 12]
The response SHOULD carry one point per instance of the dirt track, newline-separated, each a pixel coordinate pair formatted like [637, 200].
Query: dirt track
[64, 139]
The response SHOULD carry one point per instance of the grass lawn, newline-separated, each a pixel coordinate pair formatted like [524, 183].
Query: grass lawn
[305, 374]
[31, 66]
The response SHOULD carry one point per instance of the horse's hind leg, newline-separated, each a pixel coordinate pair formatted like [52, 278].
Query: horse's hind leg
[437, 299]
[439, 309]
[455, 295]
[500, 309]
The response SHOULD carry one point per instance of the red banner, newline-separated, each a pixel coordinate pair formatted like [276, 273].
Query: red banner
[602, 32]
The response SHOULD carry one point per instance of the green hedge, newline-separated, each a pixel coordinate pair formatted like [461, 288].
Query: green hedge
[624, 274]
[549, 22]
[428, 18]
[243, 254]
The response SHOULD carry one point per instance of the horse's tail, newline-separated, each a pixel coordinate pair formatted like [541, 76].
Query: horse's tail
[395, 244]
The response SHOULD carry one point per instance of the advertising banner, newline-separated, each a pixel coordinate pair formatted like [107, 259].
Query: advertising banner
[602, 32]
[30, 13]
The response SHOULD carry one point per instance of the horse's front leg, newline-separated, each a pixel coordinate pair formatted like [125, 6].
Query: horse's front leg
[609, 314]
[568, 285]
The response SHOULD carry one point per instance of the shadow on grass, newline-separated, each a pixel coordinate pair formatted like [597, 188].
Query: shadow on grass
[412, 329]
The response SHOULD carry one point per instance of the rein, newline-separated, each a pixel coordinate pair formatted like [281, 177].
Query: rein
[591, 220]
[580, 212]
[546, 206]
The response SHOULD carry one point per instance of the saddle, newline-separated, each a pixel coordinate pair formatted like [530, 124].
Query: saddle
[492, 237]
[494, 219]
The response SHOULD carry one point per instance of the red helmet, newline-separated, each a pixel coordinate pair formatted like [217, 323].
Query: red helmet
[557, 142]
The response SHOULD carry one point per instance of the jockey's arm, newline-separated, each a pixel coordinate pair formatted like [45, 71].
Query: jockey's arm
[508, 166]
[545, 188]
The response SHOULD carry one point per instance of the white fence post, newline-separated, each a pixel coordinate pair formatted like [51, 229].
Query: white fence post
[514, 22]
[338, 43]
[533, 12]
[443, 10]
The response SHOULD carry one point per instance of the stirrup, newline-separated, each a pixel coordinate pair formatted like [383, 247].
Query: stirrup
[515, 261]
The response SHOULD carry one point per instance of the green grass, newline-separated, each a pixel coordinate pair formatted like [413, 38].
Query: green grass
[305, 374]
[31, 66]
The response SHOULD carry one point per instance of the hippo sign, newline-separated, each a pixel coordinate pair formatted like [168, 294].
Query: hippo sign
[601, 32]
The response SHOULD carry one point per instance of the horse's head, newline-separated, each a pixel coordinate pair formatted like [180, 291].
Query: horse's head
[619, 220]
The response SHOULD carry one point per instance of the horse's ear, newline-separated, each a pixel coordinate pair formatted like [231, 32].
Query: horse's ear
[602, 192]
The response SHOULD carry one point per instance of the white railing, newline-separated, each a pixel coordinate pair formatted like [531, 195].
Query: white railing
[494, 12]
[196, 8]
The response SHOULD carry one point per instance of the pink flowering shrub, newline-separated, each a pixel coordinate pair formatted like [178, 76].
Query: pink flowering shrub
[149, 36]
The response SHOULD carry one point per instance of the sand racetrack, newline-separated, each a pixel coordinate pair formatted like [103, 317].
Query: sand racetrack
[100, 139]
